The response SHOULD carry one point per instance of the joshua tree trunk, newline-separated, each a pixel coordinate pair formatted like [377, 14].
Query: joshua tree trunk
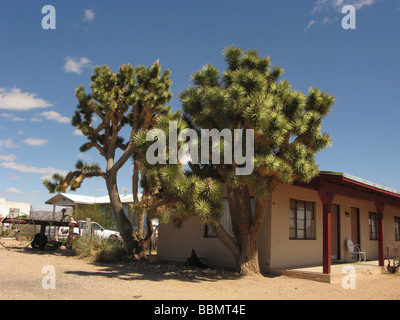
[244, 246]
[124, 226]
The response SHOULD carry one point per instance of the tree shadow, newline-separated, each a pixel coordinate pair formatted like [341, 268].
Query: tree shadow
[25, 248]
[159, 271]
[138, 269]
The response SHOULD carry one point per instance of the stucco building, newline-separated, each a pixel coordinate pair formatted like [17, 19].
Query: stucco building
[305, 224]
[13, 208]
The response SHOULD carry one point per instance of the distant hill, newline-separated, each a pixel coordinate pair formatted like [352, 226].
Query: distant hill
[47, 215]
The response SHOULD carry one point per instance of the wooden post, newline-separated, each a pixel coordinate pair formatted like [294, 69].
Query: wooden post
[88, 227]
[70, 238]
[43, 238]
[381, 250]
[326, 199]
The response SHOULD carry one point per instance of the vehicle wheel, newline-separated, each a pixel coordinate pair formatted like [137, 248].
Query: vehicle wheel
[35, 241]
[42, 242]
[113, 238]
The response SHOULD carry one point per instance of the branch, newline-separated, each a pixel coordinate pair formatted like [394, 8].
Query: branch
[225, 238]
[89, 145]
[73, 179]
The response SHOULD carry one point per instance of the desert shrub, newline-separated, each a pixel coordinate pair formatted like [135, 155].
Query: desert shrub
[100, 249]
[394, 259]
[102, 216]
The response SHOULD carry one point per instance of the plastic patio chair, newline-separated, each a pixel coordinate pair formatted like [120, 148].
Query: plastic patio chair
[356, 249]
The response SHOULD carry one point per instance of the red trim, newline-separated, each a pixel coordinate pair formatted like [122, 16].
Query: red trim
[381, 246]
[327, 239]
[326, 199]
[375, 189]
[328, 185]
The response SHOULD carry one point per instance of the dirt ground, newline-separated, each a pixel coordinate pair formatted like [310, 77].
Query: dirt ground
[27, 273]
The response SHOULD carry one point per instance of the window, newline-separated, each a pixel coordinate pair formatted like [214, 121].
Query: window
[397, 228]
[373, 226]
[225, 221]
[209, 231]
[302, 220]
[14, 212]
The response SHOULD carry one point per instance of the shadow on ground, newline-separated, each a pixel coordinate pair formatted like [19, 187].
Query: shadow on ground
[135, 269]
[158, 271]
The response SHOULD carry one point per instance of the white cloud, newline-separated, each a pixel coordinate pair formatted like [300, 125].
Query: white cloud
[13, 190]
[89, 15]
[53, 115]
[11, 117]
[309, 25]
[76, 65]
[35, 142]
[8, 157]
[7, 144]
[358, 4]
[85, 156]
[46, 172]
[14, 177]
[329, 10]
[319, 5]
[15, 99]
[36, 120]
[77, 132]
[327, 20]
[327, 5]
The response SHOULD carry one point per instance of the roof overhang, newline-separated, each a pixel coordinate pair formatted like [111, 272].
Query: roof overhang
[68, 199]
[348, 185]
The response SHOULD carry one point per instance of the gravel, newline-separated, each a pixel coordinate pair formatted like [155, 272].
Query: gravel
[28, 273]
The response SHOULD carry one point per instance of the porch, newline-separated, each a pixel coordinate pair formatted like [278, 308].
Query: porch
[337, 272]
[332, 184]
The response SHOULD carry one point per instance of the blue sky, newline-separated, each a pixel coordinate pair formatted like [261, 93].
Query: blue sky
[40, 69]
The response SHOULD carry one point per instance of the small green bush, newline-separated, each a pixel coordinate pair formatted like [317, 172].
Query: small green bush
[101, 215]
[101, 249]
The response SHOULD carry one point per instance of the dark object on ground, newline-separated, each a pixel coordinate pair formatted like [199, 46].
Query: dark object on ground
[194, 261]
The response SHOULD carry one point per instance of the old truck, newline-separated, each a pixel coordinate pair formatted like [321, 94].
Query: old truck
[95, 230]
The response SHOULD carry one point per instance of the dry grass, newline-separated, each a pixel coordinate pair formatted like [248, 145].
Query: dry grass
[100, 249]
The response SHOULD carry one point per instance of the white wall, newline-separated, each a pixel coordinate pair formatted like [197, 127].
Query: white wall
[5, 207]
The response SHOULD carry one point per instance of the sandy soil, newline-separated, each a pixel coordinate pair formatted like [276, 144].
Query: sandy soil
[23, 275]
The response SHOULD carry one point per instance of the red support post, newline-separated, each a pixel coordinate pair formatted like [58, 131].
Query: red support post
[381, 250]
[327, 236]
[326, 199]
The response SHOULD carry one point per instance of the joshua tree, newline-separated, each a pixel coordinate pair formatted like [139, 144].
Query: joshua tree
[132, 96]
[287, 135]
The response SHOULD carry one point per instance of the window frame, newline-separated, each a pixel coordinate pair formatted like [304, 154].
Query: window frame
[208, 231]
[396, 228]
[373, 225]
[304, 220]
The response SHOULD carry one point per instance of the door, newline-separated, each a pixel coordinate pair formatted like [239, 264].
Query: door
[355, 225]
[335, 254]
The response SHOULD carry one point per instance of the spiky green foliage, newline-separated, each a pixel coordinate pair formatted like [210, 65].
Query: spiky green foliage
[175, 194]
[131, 96]
[287, 136]
[145, 89]
[247, 95]
[73, 179]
